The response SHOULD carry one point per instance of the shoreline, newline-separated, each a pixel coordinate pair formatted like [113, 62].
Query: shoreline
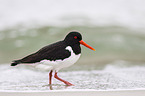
[75, 92]
[135, 89]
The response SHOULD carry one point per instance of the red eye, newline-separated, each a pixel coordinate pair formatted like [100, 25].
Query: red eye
[75, 37]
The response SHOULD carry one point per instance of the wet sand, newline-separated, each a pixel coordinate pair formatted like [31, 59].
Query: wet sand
[77, 93]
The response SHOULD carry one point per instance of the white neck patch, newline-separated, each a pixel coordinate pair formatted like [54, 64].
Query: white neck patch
[69, 49]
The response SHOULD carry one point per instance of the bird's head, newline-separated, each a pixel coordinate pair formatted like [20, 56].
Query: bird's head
[75, 37]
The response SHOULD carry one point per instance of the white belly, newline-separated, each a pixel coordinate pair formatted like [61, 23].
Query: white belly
[58, 64]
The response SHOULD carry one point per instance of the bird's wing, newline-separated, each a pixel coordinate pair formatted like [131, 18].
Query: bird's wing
[52, 52]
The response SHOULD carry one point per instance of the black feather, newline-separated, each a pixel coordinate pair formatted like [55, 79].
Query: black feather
[51, 52]
[16, 62]
[55, 51]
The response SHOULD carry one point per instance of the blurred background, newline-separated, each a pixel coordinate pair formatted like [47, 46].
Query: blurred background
[115, 28]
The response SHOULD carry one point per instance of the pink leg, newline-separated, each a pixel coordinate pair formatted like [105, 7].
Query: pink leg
[50, 77]
[66, 82]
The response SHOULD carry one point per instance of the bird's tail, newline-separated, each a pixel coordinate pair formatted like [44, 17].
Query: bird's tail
[16, 62]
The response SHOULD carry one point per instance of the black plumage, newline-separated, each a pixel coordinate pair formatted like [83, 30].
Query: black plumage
[54, 51]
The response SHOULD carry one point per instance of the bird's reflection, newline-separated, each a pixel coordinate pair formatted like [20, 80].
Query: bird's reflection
[50, 87]
[56, 86]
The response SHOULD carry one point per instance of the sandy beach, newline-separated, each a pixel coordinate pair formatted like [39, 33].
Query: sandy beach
[77, 93]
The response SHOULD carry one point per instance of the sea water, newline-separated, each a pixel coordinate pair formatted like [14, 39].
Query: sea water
[113, 76]
[28, 13]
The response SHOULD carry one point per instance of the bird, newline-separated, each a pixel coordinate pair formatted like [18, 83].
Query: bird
[56, 56]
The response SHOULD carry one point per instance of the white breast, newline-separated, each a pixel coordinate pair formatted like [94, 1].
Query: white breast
[58, 64]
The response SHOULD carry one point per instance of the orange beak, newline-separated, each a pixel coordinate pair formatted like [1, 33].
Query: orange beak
[85, 44]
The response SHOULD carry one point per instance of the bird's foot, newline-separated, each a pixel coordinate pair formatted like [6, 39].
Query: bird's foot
[68, 84]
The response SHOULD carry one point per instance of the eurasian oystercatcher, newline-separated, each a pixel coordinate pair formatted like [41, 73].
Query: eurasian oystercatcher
[56, 56]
